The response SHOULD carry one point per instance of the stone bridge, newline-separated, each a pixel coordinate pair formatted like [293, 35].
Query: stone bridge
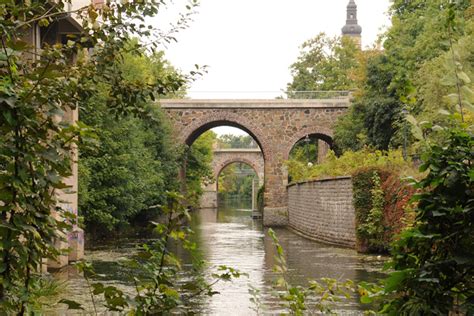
[224, 157]
[276, 125]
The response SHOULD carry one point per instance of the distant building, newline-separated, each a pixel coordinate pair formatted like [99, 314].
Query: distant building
[352, 29]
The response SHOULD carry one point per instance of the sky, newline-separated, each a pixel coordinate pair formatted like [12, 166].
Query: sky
[249, 45]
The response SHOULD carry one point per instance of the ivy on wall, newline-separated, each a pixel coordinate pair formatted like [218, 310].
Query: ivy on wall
[380, 199]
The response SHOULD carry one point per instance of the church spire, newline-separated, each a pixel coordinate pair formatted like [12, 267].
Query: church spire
[352, 28]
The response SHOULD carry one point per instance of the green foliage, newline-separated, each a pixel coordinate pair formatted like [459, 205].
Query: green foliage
[411, 72]
[305, 151]
[317, 297]
[438, 82]
[124, 176]
[370, 226]
[350, 133]
[433, 260]
[39, 89]
[236, 180]
[348, 164]
[324, 64]
[236, 141]
[155, 271]
[198, 166]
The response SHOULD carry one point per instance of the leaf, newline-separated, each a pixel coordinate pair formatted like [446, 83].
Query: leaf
[452, 98]
[417, 132]
[467, 93]
[464, 77]
[394, 280]
[468, 105]
[443, 112]
[8, 117]
[43, 22]
[365, 299]
[411, 119]
[71, 304]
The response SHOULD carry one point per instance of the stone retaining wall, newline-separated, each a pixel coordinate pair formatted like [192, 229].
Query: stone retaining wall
[322, 210]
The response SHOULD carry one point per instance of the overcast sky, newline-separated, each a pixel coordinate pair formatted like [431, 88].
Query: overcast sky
[248, 45]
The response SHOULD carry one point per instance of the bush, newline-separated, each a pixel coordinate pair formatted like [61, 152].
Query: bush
[369, 234]
[397, 215]
[349, 163]
[434, 260]
[380, 200]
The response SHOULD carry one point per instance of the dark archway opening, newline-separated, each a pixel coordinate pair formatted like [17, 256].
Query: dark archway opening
[307, 152]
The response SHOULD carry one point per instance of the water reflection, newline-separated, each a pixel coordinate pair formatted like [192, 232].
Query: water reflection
[229, 236]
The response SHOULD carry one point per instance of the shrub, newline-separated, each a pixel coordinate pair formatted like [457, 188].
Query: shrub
[434, 260]
[349, 163]
[381, 199]
[397, 208]
[363, 184]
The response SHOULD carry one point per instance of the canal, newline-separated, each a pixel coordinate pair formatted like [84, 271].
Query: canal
[229, 236]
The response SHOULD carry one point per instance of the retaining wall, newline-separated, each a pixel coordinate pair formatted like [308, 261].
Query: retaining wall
[322, 210]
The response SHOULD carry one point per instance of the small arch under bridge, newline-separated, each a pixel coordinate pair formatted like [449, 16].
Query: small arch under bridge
[224, 157]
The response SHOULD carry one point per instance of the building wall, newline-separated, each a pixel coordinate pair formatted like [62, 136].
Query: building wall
[322, 210]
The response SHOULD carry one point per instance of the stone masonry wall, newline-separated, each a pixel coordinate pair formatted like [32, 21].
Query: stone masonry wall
[322, 210]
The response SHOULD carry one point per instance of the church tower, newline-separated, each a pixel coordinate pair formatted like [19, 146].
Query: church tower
[352, 29]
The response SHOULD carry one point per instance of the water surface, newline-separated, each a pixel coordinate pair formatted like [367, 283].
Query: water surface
[229, 236]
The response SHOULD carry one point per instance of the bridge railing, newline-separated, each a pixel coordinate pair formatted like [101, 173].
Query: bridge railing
[317, 94]
[336, 94]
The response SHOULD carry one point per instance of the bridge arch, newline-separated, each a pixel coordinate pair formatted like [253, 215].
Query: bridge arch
[223, 158]
[200, 125]
[257, 166]
[322, 134]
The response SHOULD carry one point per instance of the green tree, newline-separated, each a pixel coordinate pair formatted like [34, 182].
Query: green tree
[433, 260]
[406, 74]
[324, 64]
[236, 141]
[125, 175]
[198, 166]
[36, 88]
[236, 180]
